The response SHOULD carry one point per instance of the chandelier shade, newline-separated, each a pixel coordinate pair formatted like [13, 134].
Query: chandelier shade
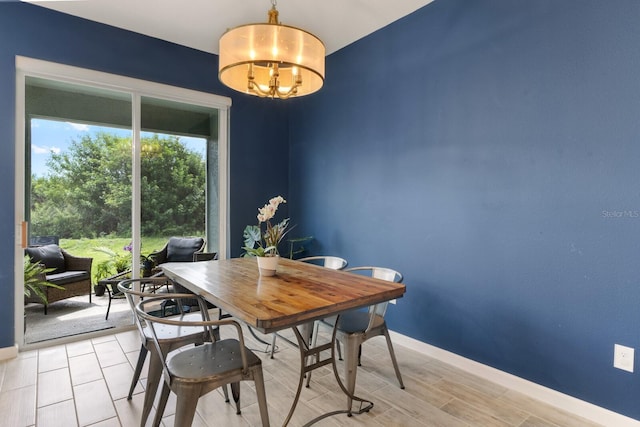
[271, 60]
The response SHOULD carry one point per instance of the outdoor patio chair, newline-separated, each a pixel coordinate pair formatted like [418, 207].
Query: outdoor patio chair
[183, 249]
[72, 273]
[179, 249]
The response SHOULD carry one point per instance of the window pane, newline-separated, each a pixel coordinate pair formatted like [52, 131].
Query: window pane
[78, 161]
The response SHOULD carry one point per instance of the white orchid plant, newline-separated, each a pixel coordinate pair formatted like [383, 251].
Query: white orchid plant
[257, 243]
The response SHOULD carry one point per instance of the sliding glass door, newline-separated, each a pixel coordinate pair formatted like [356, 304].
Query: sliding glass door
[114, 166]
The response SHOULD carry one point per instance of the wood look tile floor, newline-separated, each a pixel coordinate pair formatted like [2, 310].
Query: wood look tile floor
[85, 383]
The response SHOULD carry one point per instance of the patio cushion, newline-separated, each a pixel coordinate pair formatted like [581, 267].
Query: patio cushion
[49, 255]
[67, 277]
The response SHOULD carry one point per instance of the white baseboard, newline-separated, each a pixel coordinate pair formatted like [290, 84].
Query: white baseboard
[8, 352]
[549, 396]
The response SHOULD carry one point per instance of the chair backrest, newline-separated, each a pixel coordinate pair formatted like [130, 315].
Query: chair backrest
[131, 294]
[332, 262]
[49, 255]
[127, 287]
[181, 249]
[381, 273]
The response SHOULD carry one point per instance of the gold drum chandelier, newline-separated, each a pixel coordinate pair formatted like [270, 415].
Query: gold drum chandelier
[271, 60]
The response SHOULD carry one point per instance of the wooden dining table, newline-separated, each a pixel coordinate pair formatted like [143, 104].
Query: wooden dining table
[297, 295]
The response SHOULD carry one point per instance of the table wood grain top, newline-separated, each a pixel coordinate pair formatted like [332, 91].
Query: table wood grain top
[300, 292]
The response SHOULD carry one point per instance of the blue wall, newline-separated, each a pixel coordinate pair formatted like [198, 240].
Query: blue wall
[489, 151]
[258, 127]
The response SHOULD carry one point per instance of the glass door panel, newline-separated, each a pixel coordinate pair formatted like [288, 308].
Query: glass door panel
[179, 173]
[78, 189]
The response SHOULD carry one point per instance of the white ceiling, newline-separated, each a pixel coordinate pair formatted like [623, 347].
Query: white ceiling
[200, 23]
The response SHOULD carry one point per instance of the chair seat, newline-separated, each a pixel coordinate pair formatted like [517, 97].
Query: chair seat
[354, 321]
[209, 360]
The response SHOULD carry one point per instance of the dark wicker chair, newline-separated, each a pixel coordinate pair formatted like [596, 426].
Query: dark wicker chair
[72, 273]
[179, 249]
[183, 249]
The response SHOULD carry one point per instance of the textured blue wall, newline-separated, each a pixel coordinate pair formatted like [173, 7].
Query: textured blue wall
[258, 128]
[483, 149]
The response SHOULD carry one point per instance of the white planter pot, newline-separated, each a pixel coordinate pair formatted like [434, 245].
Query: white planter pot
[267, 265]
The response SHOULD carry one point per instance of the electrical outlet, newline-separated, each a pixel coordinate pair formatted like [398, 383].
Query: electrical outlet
[623, 357]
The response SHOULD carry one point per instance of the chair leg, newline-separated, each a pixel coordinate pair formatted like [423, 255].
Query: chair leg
[235, 392]
[393, 357]
[258, 380]
[108, 307]
[153, 380]
[351, 366]
[164, 396]
[136, 375]
[186, 404]
[273, 344]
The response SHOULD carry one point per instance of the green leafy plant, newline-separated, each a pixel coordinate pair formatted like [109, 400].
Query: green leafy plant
[34, 279]
[102, 270]
[117, 262]
[257, 243]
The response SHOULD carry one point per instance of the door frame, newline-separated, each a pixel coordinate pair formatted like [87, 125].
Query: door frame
[137, 89]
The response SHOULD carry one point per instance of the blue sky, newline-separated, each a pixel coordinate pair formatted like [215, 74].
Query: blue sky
[49, 136]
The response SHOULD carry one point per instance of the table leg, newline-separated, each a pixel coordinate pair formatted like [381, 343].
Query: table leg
[306, 353]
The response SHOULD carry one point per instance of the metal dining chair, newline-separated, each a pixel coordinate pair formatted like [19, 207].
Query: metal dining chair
[332, 262]
[357, 326]
[195, 371]
[169, 337]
